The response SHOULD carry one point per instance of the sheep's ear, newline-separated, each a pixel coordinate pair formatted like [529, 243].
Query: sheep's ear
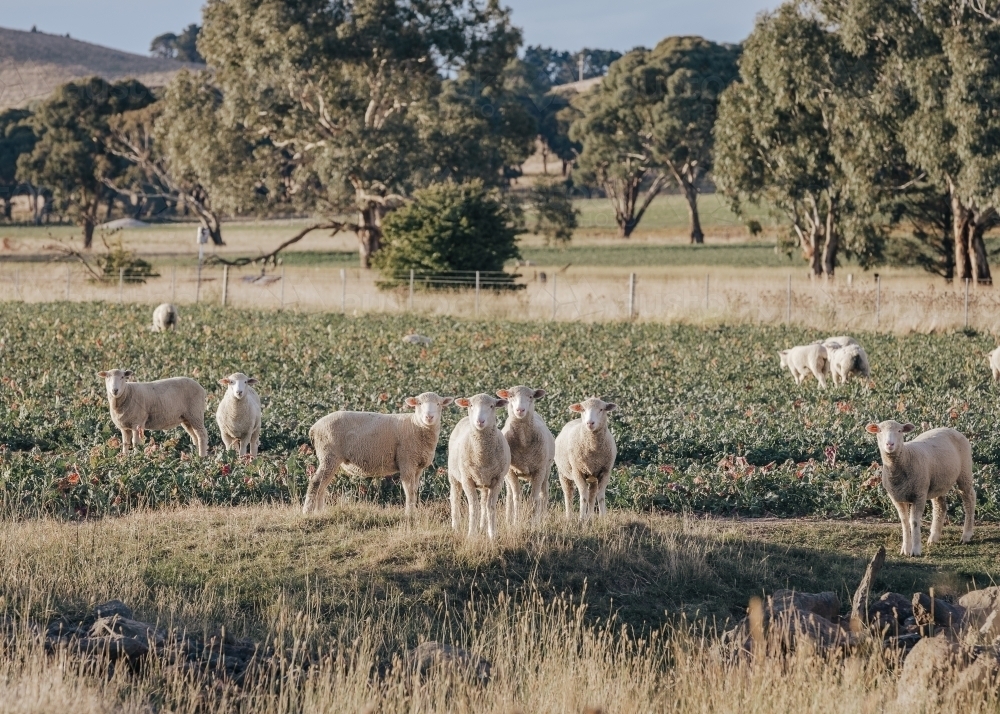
[503, 393]
[463, 402]
[411, 401]
[252, 380]
[576, 407]
[610, 407]
[872, 428]
[446, 401]
[129, 373]
[102, 375]
[539, 393]
[500, 403]
[224, 381]
[907, 428]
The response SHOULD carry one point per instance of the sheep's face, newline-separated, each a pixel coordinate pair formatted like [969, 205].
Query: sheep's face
[428, 407]
[783, 356]
[237, 384]
[115, 379]
[482, 410]
[890, 435]
[594, 412]
[521, 400]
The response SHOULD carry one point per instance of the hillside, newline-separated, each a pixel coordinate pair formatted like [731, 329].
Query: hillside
[32, 64]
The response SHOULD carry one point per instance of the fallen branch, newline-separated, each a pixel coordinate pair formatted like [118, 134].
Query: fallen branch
[272, 257]
[66, 252]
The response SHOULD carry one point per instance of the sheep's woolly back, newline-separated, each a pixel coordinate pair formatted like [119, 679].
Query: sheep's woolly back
[849, 360]
[163, 404]
[930, 464]
[375, 445]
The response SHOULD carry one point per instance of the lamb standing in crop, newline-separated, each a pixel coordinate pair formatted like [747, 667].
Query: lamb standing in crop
[532, 450]
[995, 363]
[238, 415]
[805, 360]
[926, 467]
[847, 361]
[478, 461]
[585, 455]
[377, 445]
[164, 317]
[163, 404]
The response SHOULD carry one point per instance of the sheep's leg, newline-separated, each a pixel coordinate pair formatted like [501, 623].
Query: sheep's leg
[968, 505]
[126, 441]
[904, 518]
[938, 510]
[411, 490]
[473, 499]
[538, 484]
[483, 510]
[254, 443]
[316, 492]
[491, 512]
[602, 508]
[512, 507]
[455, 496]
[227, 439]
[583, 488]
[916, 515]
[996, 373]
[567, 489]
[139, 436]
[592, 490]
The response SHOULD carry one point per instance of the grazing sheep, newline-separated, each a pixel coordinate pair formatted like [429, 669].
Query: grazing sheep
[376, 445]
[238, 415]
[478, 460]
[417, 340]
[532, 450]
[164, 317]
[840, 341]
[163, 404]
[585, 455]
[805, 360]
[926, 467]
[995, 363]
[847, 361]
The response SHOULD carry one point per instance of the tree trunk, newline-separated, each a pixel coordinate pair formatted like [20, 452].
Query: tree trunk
[979, 258]
[816, 259]
[830, 254]
[369, 233]
[88, 234]
[960, 231]
[565, 166]
[214, 226]
[545, 158]
[691, 194]
[7, 208]
[625, 227]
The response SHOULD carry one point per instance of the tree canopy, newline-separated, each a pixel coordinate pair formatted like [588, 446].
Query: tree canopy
[16, 138]
[183, 47]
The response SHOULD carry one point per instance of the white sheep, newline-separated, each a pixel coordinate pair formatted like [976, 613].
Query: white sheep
[376, 445]
[925, 468]
[238, 415]
[532, 450]
[839, 341]
[417, 340]
[478, 461]
[847, 361]
[995, 363]
[805, 360]
[585, 455]
[159, 405]
[164, 317]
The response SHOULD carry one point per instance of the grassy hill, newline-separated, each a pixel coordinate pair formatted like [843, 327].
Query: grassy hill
[32, 64]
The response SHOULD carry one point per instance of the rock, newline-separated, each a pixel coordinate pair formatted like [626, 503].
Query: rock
[927, 671]
[431, 655]
[826, 605]
[933, 611]
[982, 610]
[985, 599]
[112, 608]
[792, 625]
[889, 612]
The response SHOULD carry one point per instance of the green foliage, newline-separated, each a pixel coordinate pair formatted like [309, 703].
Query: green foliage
[449, 228]
[554, 213]
[561, 67]
[119, 262]
[708, 421]
[16, 138]
[183, 47]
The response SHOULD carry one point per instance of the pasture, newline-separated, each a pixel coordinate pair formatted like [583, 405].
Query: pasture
[620, 615]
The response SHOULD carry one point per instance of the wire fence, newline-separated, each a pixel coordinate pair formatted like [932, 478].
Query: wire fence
[899, 302]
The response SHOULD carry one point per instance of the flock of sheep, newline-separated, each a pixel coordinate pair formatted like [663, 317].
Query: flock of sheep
[482, 457]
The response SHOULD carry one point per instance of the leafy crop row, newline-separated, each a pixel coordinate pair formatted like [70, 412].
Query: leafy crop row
[708, 422]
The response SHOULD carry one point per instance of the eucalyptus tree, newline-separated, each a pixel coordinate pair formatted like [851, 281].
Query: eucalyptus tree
[16, 138]
[346, 101]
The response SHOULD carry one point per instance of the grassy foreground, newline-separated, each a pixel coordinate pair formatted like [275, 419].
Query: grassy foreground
[569, 617]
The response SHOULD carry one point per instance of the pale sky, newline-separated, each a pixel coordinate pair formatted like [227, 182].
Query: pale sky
[562, 24]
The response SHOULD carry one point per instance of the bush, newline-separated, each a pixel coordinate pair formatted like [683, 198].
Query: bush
[449, 228]
[119, 258]
[555, 216]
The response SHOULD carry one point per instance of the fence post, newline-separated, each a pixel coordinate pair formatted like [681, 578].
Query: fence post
[477, 293]
[121, 285]
[966, 303]
[878, 300]
[225, 284]
[554, 303]
[173, 286]
[343, 290]
[788, 305]
[411, 289]
[282, 288]
[68, 276]
[631, 295]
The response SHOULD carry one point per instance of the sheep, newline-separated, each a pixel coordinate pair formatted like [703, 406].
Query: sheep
[417, 340]
[376, 445]
[238, 415]
[478, 460]
[926, 467]
[840, 341]
[164, 317]
[163, 404]
[995, 363]
[846, 361]
[532, 450]
[585, 454]
[806, 359]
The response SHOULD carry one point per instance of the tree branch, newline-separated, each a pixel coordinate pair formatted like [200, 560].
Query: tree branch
[272, 257]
